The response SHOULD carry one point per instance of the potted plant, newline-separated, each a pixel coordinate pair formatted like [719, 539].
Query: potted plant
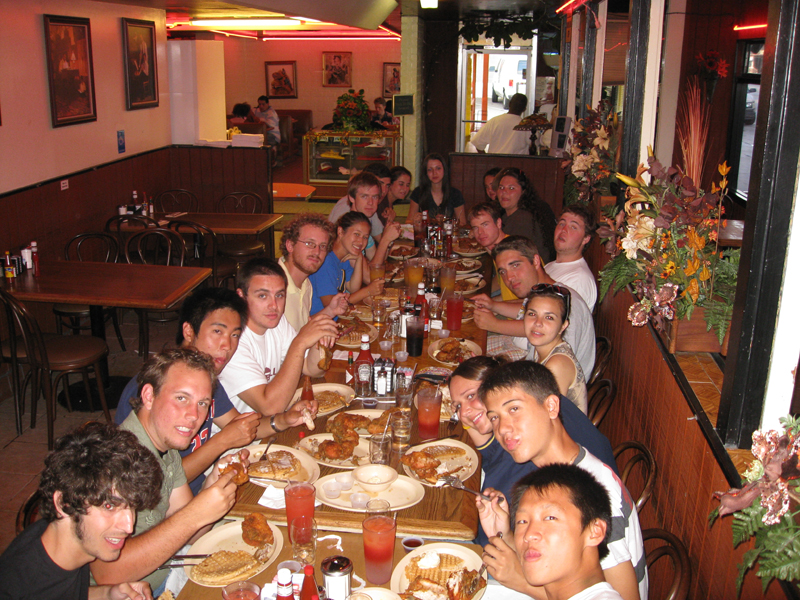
[351, 112]
[665, 245]
[760, 509]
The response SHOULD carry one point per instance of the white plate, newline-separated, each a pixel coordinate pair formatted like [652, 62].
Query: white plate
[309, 468]
[467, 316]
[415, 252]
[476, 282]
[362, 451]
[468, 463]
[373, 335]
[345, 390]
[434, 348]
[229, 537]
[470, 254]
[377, 593]
[370, 413]
[472, 561]
[476, 264]
[404, 492]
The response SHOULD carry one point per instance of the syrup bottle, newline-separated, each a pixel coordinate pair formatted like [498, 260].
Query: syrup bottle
[308, 391]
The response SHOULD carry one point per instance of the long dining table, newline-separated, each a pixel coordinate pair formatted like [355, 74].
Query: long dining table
[226, 223]
[444, 513]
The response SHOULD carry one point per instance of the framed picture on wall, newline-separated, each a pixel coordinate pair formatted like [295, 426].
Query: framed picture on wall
[281, 79]
[391, 79]
[141, 75]
[68, 43]
[337, 69]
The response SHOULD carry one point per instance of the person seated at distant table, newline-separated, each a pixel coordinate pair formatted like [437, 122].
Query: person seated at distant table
[242, 113]
[380, 118]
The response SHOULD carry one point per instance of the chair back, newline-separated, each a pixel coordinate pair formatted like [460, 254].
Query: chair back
[156, 247]
[121, 225]
[99, 247]
[176, 201]
[29, 512]
[679, 557]
[602, 356]
[641, 455]
[23, 333]
[204, 244]
[601, 396]
[241, 202]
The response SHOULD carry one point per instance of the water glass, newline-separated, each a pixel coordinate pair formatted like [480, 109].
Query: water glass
[304, 540]
[380, 448]
[455, 310]
[379, 314]
[435, 308]
[401, 432]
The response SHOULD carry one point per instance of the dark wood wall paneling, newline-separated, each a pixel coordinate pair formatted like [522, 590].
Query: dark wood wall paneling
[467, 170]
[440, 74]
[650, 407]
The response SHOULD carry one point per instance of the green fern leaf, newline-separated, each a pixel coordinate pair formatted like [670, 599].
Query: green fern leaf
[713, 516]
[748, 560]
[620, 272]
[747, 522]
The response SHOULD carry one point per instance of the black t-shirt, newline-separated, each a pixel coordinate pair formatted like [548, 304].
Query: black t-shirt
[28, 573]
[447, 208]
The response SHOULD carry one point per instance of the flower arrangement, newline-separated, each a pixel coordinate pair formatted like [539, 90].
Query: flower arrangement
[351, 112]
[595, 141]
[665, 244]
[711, 67]
[761, 507]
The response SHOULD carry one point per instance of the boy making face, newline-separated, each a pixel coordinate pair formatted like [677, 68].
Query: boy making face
[561, 519]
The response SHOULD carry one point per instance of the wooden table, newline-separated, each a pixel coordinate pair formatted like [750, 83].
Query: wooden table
[730, 235]
[228, 223]
[292, 191]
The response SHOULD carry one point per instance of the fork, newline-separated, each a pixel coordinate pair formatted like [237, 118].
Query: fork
[454, 419]
[455, 482]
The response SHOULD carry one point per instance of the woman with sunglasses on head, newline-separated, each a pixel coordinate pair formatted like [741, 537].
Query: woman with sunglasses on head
[525, 213]
[346, 259]
[546, 318]
[435, 195]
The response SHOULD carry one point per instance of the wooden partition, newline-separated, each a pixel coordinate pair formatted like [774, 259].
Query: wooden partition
[467, 170]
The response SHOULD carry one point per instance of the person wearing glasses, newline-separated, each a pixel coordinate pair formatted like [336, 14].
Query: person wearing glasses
[344, 265]
[305, 244]
[263, 374]
[546, 319]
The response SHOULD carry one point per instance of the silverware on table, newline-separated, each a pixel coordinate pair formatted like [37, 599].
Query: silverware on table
[455, 482]
[454, 419]
[264, 456]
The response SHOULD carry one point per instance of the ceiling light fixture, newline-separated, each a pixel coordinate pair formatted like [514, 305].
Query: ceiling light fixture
[246, 24]
[429, 3]
[293, 38]
[743, 27]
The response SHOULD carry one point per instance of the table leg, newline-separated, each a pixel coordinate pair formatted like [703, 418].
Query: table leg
[98, 324]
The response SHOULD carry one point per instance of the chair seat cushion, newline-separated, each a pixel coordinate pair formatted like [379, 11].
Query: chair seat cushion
[65, 352]
[71, 310]
[243, 247]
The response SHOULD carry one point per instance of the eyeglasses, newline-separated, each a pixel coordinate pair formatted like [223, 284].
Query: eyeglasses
[312, 245]
[544, 289]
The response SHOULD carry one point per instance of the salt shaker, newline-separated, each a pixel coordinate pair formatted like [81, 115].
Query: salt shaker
[336, 571]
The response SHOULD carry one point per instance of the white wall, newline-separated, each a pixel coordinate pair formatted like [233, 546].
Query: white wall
[31, 150]
[245, 79]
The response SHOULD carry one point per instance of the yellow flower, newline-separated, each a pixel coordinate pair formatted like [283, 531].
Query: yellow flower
[693, 290]
[691, 267]
[724, 169]
[705, 274]
[695, 241]
[669, 269]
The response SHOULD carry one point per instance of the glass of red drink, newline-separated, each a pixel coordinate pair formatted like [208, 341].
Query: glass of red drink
[241, 590]
[455, 309]
[379, 530]
[429, 405]
[299, 498]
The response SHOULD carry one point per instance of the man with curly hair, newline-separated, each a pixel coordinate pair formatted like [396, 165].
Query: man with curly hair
[92, 485]
[306, 241]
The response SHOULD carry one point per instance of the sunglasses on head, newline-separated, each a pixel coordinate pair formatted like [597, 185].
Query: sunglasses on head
[558, 290]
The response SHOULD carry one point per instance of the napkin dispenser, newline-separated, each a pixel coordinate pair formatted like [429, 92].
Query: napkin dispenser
[247, 140]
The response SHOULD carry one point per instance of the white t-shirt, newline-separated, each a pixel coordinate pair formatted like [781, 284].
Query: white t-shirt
[576, 274]
[625, 540]
[499, 135]
[343, 207]
[256, 361]
[599, 591]
[579, 334]
[298, 299]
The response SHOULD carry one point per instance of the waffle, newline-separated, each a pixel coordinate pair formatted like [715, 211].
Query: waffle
[281, 465]
[444, 452]
[225, 567]
[167, 595]
[329, 400]
[440, 574]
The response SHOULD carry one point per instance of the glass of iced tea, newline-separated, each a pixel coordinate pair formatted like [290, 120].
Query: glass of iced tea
[379, 530]
[447, 279]
[414, 272]
[377, 272]
[299, 498]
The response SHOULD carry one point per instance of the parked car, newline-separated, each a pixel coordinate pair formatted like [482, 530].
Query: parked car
[508, 78]
[751, 105]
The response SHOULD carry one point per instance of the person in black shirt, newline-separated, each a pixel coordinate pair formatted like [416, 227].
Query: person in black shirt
[91, 487]
[435, 194]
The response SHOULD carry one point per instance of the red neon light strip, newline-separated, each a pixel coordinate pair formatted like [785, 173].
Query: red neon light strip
[389, 31]
[743, 27]
[565, 5]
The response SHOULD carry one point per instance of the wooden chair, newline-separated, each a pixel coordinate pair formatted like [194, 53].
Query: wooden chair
[123, 225]
[601, 358]
[641, 455]
[49, 359]
[601, 396]
[29, 511]
[678, 555]
[154, 247]
[176, 201]
[205, 245]
[88, 246]
[242, 248]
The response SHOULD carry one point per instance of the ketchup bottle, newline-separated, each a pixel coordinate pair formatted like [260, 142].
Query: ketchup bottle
[308, 391]
[285, 591]
[309, 589]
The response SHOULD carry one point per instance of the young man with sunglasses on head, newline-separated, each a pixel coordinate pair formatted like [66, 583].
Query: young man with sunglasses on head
[520, 266]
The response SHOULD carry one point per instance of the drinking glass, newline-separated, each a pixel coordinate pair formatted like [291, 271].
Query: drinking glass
[380, 448]
[304, 540]
[379, 530]
[241, 590]
[377, 272]
[379, 314]
[455, 310]
[401, 432]
[393, 326]
[414, 273]
[447, 279]
[299, 498]
[415, 333]
[434, 308]
[429, 406]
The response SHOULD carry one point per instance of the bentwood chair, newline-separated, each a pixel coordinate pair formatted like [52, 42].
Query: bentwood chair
[154, 247]
[176, 201]
[123, 225]
[29, 511]
[601, 358]
[49, 360]
[242, 248]
[641, 455]
[88, 246]
[205, 245]
[675, 549]
[601, 397]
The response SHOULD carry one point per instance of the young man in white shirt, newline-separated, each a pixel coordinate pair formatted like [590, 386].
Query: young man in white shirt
[523, 405]
[263, 374]
[574, 231]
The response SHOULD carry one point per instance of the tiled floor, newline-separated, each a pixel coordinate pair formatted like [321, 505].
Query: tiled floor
[705, 378]
[22, 456]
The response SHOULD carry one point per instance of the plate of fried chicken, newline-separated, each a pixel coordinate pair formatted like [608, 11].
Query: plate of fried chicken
[428, 462]
[344, 449]
[453, 351]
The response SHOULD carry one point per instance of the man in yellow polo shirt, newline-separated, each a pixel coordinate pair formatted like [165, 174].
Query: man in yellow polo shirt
[306, 241]
[486, 222]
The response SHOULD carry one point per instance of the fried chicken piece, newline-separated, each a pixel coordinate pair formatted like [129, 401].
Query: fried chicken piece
[332, 450]
[344, 421]
[379, 425]
[256, 530]
[423, 465]
[326, 358]
[240, 476]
